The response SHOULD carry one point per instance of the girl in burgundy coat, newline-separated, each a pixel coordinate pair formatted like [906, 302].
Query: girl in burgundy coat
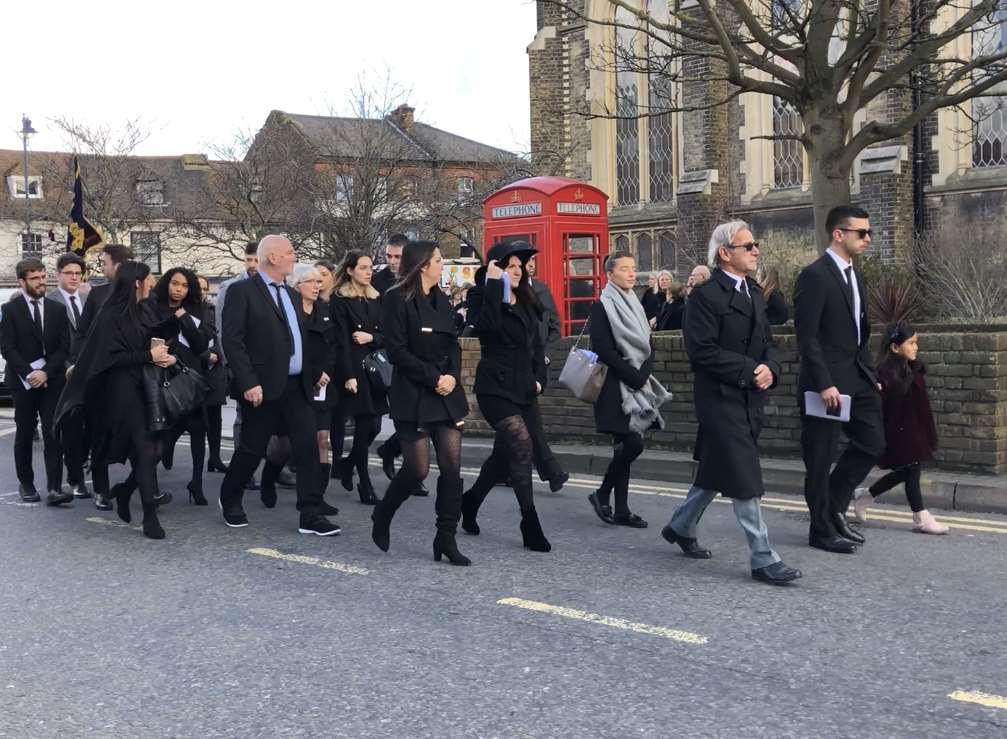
[910, 432]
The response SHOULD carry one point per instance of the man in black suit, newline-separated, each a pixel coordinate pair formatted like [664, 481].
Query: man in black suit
[69, 273]
[35, 341]
[112, 255]
[833, 333]
[264, 346]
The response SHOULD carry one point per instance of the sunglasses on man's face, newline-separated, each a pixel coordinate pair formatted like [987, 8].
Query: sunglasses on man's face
[747, 247]
[862, 233]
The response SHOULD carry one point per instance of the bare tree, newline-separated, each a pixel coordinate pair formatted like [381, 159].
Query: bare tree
[829, 59]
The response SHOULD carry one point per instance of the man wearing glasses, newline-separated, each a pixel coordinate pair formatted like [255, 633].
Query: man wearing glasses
[70, 272]
[833, 336]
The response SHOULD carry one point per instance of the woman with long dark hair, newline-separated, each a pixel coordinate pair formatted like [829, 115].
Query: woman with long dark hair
[510, 375]
[107, 385]
[177, 299]
[426, 397]
[216, 376]
[356, 306]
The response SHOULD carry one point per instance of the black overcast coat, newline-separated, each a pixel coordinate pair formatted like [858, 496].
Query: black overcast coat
[727, 336]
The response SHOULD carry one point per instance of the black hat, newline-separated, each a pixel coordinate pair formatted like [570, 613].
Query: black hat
[500, 253]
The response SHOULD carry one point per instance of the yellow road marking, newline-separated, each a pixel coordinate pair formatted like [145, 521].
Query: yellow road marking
[686, 637]
[982, 699]
[304, 560]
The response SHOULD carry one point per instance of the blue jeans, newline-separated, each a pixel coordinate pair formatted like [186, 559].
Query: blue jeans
[686, 518]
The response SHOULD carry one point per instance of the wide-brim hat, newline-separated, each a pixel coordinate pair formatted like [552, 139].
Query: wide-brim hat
[500, 253]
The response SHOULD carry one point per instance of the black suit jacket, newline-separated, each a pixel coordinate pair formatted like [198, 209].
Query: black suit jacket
[826, 332]
[255, 340]
[21, 342]
[95, 300]
[382, 280]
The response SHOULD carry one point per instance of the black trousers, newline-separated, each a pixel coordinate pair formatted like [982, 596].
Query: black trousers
[30, 406]
[292, 415]
[829, 493]
[76, 442]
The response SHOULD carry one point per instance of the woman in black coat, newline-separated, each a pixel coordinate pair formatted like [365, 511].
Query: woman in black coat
[426, 399]
[356, 307]
[177, 298]
[106, 384]
[509, 378]
[216, 376]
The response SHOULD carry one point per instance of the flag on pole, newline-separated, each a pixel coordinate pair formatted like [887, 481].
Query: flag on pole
[81, 235]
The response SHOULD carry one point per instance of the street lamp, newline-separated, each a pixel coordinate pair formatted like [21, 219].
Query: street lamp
[26, 131]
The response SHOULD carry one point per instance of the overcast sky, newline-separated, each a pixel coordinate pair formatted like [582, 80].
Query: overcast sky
[197, 72]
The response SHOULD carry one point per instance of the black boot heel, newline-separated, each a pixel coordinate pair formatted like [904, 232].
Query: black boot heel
[446, 546]
[531, 532]
[196, 496]
[151, 526]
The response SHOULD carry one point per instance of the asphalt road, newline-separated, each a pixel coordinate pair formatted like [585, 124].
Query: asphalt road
[263, 632]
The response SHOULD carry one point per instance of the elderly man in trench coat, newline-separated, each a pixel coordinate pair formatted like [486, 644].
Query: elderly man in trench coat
[733, 357]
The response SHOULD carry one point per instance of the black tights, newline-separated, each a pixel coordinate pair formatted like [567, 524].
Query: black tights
[626, 448]
[511, 459]
[213, 429]
[910, 476]
[365, 430]
[447, 441]
[193, 424]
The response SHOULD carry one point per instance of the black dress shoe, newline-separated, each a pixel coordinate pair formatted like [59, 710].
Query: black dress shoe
[836, 544]
[215, 465]
[556, 482]
[420, 491]
[776, 574]
[268, 496]
[163, 497]
[387, 462]
[604, 512]
[286, 480]
[80, 490]
[252, 484]
[689, 546]
[632, 520]
[843, 527]
[58, 497]
[28, 494]
[233, 515]
[102, 502]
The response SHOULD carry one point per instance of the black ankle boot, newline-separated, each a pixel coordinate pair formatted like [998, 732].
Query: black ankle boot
[151, 526]
[446, 546]
[345, 466]
[122, 493]
[267, 489]
[323, 483]
[471, 501]
[384, 511]
[366, 492]
[196, 493]
[531, 532]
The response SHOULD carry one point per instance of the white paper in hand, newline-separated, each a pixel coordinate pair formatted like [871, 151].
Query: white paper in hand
[815, 406]
[320, 395]
[35, 365]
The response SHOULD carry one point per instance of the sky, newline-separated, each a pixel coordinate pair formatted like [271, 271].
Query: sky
[197, 73]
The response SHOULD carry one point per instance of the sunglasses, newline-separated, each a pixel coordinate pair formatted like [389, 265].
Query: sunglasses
[747, 247]
[862, 233]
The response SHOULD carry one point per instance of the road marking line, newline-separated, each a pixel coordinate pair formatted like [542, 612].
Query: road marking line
[982, 699]
[686, 637]
[8, 432]
[110, 522]
[304, 560]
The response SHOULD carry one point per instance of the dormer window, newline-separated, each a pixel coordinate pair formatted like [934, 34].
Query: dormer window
[15, 186]
[150, 192]
[465, 185]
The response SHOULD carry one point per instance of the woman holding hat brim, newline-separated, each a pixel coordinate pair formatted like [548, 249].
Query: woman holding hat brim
[509, 378]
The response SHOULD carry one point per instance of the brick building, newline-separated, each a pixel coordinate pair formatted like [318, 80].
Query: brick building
[672, 176]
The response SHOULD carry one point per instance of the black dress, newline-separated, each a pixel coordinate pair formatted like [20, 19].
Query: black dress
[358, 314]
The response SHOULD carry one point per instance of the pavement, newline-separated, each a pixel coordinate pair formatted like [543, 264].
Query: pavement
[263, 632]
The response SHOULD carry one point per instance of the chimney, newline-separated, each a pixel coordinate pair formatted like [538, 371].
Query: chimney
[402, 117]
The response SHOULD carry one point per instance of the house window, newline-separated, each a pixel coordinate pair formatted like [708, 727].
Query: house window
[344, 188]
[627, 126]
[150, 192]
[465, 185]
[146, 246]
[15, 186]
[644, 253]
[788, 154]
[989, 130]
[31, 245]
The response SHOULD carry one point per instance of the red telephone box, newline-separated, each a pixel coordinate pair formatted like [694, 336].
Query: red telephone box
[567, 221]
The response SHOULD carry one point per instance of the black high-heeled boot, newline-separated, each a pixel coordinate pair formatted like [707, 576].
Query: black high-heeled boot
[471, 501]
[122, 492]
[384, 511]
[196, 493]
[323, 483]
[345, 465]
[446, 546]
[216, 465]
[531, 532]
[366, 492]
[151, 526]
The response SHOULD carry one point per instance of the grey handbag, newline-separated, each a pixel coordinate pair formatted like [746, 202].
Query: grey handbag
[583, 373]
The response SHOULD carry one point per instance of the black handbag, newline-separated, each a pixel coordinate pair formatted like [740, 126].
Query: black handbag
[183, 390]
[378, 369]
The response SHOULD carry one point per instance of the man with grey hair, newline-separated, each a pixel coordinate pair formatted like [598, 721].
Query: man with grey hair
[733, 355]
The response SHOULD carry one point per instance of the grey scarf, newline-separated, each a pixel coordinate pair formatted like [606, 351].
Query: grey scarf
[631, 331]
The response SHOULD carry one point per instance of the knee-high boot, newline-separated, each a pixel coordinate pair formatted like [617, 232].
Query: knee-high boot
[397, 493]
[448, 507]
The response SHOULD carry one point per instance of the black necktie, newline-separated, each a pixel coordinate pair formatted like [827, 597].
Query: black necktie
[37, 315]
[283, 315]
[74, 310]
[849, 285]
[744, 289]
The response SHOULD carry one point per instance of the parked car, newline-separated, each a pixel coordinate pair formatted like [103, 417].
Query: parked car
[5, 396]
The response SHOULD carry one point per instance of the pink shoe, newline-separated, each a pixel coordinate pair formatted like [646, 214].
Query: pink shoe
[860, 503]
[925, 523]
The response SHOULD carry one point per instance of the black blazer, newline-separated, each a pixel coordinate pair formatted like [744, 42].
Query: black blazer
[21, 343]
[422, 346]
[255, 340]
[512, 358]
[608, 415]
[826, 332]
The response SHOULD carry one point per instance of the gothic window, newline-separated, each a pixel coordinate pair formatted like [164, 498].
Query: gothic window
[661, 138]
[989, 132]
[627, 129]
[644, 253]
[666, 250]
[621, 243]
[788, 154]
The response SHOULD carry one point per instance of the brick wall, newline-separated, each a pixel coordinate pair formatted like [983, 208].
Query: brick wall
[967, 379]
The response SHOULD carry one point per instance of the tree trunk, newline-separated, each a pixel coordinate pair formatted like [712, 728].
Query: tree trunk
[826, 134]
